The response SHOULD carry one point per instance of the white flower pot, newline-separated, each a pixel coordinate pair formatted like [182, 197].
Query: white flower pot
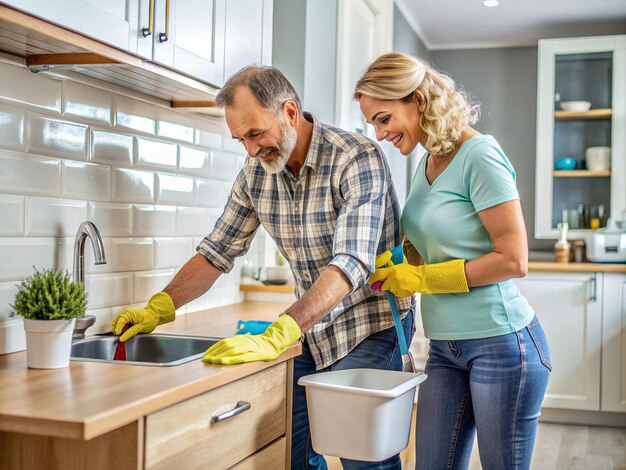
[48, 343]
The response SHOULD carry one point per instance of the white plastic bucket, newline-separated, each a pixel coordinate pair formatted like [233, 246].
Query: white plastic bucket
[48, 343]
[360, 414]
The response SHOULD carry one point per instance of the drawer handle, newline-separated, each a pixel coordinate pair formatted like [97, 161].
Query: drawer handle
[239, 408]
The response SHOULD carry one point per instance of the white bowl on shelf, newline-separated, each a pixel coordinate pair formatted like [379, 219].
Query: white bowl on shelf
[575, 105]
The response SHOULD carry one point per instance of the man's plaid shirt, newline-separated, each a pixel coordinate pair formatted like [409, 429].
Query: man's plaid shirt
[342, 210]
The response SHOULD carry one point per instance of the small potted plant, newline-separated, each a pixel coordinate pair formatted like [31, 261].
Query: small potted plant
[49, 301]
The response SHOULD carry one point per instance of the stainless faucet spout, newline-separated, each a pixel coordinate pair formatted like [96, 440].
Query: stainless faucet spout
[86, 230]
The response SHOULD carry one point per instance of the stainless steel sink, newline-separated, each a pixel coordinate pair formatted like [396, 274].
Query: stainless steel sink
[145, 350]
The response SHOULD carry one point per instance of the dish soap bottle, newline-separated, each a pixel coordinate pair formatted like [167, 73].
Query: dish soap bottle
[562, 247]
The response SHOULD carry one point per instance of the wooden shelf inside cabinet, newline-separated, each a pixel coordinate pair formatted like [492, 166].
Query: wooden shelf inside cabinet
[591, 114]
[581, 173]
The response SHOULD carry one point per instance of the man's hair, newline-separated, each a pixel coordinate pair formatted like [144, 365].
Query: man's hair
[267, 84]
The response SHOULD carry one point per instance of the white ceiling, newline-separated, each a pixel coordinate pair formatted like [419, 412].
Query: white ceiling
[464, 24]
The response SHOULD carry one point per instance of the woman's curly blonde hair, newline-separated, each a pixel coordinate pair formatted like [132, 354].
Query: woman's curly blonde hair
[449, 109]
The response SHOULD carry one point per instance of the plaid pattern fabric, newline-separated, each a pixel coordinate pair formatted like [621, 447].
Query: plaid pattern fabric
[341, 211]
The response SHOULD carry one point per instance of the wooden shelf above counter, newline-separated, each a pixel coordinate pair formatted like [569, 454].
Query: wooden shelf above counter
[577, 267]
[284, 289]
[46, 46]
[577, 115]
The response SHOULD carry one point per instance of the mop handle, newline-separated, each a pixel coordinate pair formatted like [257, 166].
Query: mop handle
[395, 314]
[397, 257]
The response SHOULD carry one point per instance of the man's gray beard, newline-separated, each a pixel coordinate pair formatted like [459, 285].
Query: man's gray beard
[285, 148]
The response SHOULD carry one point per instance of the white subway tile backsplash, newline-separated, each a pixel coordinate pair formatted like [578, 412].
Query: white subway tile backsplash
[222, 296]
[158, 221]
[175, 125]
[12, 124]
[53, 217]
[112, 220]
[107, 290]
[54, 137]
[19, 255]
[171, 252]
[132, 186]
[210, 193]
[151, 153]
[224, 166]
[103, 321]
[148, 283]
[90, 266]
[56, 172]
[209, 138]
[86, 181]
[8, 290]
[232, 145]
[191, 221]
[111, 148]
[11, 215]
[12, 336]
[29, 174]
[134, 114]
[20, 87]
[131, 254]
[87, 103]
[171, 189]
[193, 161]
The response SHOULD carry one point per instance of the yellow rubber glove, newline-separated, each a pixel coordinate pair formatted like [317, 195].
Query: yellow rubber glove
[404, 279]
[383, 259]
[159, 310]
[250, 348]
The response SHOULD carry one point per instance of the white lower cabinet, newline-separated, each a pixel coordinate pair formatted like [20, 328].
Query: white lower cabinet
[614, 343]
[569, 307]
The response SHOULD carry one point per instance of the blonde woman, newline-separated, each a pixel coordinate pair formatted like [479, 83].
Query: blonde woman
[489, 361]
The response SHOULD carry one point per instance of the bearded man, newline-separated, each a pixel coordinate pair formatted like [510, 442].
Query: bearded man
[326, 197]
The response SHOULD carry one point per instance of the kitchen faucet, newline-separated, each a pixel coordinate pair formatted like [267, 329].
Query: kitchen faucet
[86, 229]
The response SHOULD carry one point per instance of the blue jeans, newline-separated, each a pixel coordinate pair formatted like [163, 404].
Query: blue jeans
[378, 351]
[492, 387]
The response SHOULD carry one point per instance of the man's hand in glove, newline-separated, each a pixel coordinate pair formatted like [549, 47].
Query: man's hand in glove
[159, 310]
[250, 348]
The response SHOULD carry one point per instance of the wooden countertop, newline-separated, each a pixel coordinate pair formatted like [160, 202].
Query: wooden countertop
[576, 267]
[88, 399]
[532, 266]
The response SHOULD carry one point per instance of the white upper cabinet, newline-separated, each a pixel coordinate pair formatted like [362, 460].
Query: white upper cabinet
[112, 22]
[187, 35]
[248, 34]
[591, 70]
[206, 39]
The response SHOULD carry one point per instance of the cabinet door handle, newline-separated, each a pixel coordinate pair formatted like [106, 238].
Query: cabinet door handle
[239, 408]
[148, 31]
[594, 288]
[163, 37]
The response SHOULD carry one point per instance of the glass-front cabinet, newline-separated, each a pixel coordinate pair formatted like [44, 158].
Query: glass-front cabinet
[581, 134]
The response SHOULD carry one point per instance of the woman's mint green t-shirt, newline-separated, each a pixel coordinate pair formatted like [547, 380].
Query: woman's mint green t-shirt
[441, 220]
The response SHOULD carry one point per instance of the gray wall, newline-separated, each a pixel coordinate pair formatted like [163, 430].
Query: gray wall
[505, 82]
[404, 38]
[304, 49]
[288, 40]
